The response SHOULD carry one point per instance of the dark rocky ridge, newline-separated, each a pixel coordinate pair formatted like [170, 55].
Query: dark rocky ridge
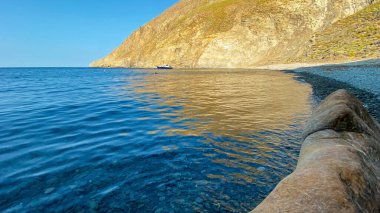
[339, 164]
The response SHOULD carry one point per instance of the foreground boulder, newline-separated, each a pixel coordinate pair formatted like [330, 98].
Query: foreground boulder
[339, 164]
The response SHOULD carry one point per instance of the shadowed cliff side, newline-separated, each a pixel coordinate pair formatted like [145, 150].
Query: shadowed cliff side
[339, 164]
[229, 33]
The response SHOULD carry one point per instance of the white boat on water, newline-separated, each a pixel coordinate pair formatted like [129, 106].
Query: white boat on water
[166, 67]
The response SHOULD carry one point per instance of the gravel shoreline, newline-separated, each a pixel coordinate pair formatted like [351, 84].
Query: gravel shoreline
[362, 75]
[361, 79]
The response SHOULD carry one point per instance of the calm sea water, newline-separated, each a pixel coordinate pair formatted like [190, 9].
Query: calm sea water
[124, 140]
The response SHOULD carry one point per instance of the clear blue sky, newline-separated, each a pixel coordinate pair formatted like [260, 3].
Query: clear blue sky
[68, 32]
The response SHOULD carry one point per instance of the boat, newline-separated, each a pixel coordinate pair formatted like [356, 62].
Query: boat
[166, 67]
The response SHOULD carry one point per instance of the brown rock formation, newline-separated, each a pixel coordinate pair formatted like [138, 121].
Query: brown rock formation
[339, 164]
[229, 33]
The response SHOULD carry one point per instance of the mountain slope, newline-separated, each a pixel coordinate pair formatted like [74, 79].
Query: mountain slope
[229, 33]
[354, 37]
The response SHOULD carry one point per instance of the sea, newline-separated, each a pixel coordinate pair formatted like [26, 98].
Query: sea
[144, 140]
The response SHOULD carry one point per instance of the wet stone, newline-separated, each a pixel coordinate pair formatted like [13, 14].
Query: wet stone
[199, 200]
[49, 190]
[261, 168]
[159, 210]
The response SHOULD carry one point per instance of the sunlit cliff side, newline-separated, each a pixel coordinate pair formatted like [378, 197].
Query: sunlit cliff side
[230, 33]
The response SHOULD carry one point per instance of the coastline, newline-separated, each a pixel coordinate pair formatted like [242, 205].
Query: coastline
[325, 78]
[362, 79]
[292, 66]
[338, 167]
[339, 142]
[279, 67]
[322, 85]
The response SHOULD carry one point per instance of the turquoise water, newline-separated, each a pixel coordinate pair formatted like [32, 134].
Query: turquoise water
[124, 140]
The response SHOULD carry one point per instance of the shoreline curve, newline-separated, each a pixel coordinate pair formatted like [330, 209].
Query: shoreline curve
[339, 165]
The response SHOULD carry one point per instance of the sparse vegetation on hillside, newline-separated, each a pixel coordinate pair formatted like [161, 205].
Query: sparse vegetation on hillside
[355, 37]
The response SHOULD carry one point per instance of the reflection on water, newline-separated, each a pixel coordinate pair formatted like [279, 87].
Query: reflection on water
[249, 118]
[135, 140]
[228, 104]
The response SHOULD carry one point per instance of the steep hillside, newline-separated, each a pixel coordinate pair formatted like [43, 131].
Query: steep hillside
[354, 37]
[229, 33]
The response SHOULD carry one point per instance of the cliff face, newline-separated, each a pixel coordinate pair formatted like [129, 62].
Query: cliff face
[229, 33]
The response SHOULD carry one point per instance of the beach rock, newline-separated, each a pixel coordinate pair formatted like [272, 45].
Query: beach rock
[342, 112]
[339, 165]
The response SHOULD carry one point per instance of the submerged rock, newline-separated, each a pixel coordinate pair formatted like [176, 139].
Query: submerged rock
[339, 164]
[49, 190]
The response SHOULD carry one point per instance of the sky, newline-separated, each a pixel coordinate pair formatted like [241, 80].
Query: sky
[69, 33]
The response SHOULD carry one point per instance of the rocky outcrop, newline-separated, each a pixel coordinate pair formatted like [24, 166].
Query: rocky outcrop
[339, 164]
[229, 33]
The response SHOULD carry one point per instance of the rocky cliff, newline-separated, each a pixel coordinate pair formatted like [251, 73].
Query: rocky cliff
[339, 165]
[230, 33]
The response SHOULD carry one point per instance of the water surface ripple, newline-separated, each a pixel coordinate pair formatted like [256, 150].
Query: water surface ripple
[124, 140]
